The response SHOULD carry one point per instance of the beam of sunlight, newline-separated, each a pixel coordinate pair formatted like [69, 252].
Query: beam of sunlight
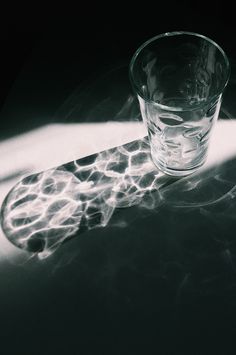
[49, 205]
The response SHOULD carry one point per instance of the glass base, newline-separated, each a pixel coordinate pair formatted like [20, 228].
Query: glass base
[176, 172]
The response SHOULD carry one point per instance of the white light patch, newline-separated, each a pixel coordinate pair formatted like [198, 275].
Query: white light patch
[40, 215]
[222, 145]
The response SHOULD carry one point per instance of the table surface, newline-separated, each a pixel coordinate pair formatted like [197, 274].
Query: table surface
[158, 275]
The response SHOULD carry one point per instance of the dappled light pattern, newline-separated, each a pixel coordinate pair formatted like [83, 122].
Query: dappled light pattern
[45, 209]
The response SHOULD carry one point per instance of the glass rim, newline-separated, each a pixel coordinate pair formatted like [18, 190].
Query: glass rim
[171, 34]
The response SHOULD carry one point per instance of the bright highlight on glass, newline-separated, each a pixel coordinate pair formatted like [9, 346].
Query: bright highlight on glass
[179, 79]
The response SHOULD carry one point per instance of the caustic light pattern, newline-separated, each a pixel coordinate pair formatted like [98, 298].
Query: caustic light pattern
[45, 209]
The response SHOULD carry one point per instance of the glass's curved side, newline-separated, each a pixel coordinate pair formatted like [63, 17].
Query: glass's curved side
[179, 80]
[179, 140]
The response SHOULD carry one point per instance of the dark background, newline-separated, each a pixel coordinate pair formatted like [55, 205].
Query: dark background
[107, 293]
[58, 51]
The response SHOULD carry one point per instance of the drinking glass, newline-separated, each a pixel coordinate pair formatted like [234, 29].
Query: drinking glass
[179, 79]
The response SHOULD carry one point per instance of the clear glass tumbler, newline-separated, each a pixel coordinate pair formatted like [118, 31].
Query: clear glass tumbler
[179, 79]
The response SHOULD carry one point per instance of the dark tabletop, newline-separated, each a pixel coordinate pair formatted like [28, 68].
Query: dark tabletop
[160, 277]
